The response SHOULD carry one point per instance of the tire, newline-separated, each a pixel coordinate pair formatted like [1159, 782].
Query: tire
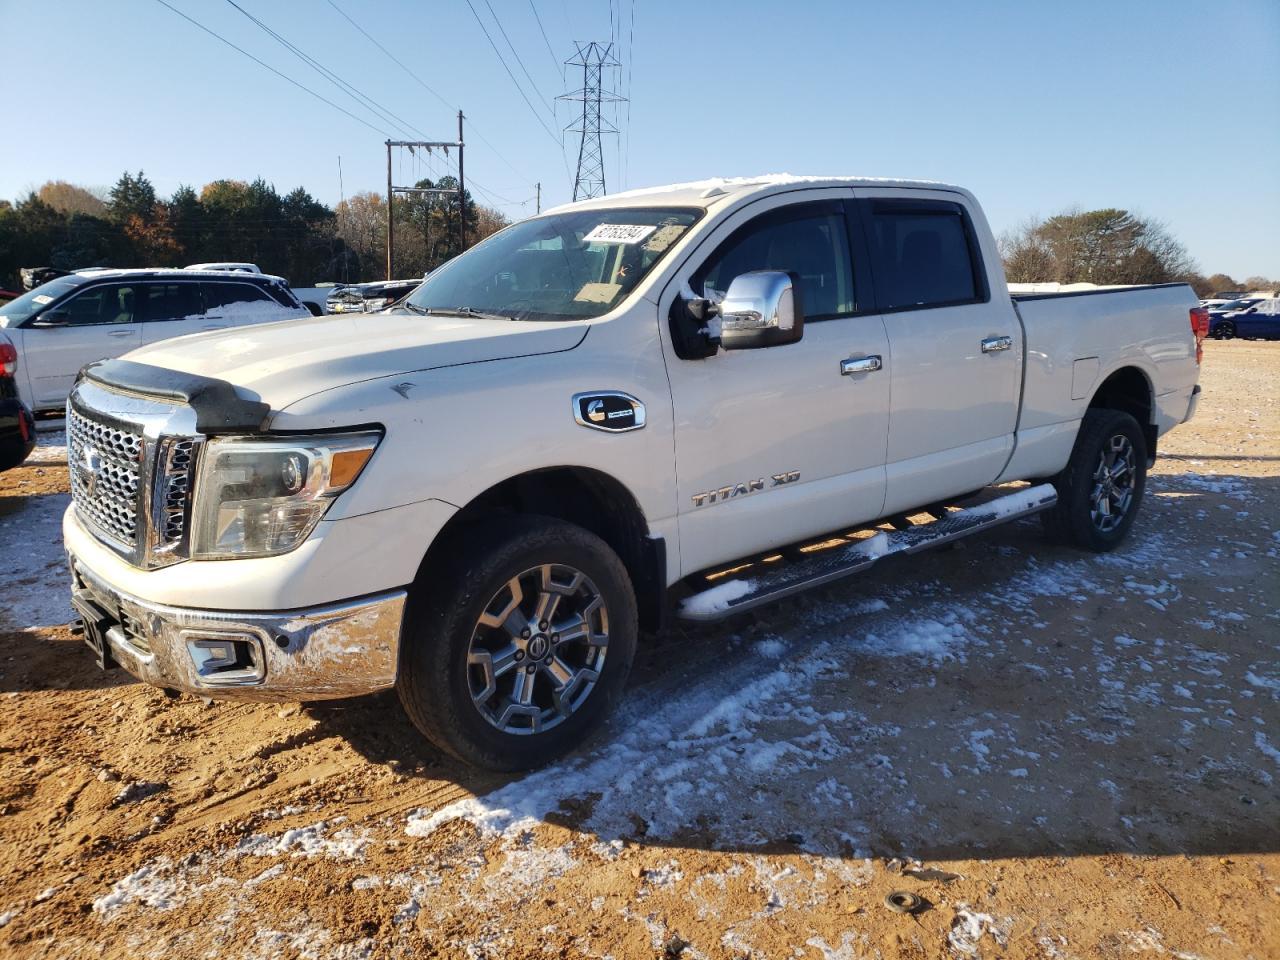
[1226, 330]
[490, 714]
[1092, 512]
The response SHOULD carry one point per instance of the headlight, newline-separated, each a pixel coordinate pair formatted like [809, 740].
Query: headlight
[260, 498]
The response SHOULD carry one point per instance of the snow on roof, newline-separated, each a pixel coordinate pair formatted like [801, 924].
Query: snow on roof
[705, 193]
[175, 272]
[225, 265]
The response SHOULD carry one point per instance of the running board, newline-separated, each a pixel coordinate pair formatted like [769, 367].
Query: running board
[828, 565]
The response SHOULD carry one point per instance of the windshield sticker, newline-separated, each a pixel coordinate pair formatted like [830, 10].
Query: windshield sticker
[597, 292]
[42, 299]
[619, 233]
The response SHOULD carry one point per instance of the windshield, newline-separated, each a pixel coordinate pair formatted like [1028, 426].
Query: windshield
[33, 301]
[565, 267]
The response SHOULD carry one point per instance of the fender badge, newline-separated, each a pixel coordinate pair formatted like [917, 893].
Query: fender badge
[608, 410]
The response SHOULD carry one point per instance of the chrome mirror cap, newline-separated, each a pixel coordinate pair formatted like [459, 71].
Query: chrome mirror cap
[761, 309]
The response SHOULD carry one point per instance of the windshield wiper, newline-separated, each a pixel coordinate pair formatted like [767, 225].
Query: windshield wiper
[464, 312]
[410, 305]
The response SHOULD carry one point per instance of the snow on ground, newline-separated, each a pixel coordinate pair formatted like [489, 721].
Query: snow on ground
[37, 592]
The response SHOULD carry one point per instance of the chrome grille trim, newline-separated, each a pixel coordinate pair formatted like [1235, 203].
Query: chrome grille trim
[138, 500]
[111, 506]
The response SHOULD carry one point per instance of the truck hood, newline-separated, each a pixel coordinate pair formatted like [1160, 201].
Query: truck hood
[281, 363]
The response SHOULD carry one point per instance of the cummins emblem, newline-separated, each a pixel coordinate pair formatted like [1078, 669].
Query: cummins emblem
[742, 489]
[611, 411]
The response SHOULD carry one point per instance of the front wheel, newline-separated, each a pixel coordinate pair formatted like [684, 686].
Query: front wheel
[516, 646]
[1226, 330]
[1100, 490]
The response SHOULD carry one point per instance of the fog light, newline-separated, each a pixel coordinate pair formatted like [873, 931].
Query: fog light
[226, 660]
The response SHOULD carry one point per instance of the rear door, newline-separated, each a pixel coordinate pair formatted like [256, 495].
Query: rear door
[172, 309]
[96, 323]
[955, 348]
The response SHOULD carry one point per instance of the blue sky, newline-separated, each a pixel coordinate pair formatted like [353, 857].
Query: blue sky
[1168, 108]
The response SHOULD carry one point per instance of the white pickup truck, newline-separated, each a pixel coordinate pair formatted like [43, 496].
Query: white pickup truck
[481, 497]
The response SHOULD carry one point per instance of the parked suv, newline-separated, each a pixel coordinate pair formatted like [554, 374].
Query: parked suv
[94, 315]
[17, 430]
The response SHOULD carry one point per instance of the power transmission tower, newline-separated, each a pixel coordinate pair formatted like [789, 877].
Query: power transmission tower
[593, 58]
[392, 189]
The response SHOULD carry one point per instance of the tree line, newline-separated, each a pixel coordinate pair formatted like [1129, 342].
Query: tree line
[67, 226]
[1106, 247]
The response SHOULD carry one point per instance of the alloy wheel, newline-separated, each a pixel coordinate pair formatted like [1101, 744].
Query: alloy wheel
[1113, 484]
[538, 649]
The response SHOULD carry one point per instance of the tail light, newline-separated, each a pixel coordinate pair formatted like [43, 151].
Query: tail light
[1200, 327]
[8, 358]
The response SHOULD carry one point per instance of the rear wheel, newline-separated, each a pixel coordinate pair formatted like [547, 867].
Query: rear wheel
[1101, 488]
[515, 650]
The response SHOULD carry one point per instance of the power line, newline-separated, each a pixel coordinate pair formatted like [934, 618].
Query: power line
[425, 86]
[368, 102]
[519, 89]
[516, 54]
[631, 57]
[282, 76]
[558, 65]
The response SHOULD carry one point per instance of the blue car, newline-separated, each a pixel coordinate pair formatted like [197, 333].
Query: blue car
[1258, 321]
[1219, 326]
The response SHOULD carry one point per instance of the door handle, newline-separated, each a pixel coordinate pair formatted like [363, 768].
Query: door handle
[120, 333]
[860, 365]
[996, 344]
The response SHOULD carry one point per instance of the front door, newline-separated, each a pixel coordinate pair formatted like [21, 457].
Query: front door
[95, 324]
[776, 444]
[955, 347]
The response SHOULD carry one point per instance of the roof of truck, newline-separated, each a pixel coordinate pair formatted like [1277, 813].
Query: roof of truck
[706, 193]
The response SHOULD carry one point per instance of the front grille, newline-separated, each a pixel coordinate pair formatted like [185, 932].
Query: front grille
[133, 492]
[106, 476]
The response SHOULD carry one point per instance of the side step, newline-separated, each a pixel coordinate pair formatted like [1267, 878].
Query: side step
[825, 566]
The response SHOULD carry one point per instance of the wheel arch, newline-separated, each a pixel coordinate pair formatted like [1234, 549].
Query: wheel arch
[1129, 388]
[586, 497]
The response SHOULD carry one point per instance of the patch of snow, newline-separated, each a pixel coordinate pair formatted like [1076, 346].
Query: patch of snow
[969, 927]
[716, 599]
[37, 584]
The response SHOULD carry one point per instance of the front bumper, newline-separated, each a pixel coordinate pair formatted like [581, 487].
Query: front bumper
[319, 653]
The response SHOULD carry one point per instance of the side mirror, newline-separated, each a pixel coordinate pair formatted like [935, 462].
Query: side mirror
[761, 309]
[54, 318]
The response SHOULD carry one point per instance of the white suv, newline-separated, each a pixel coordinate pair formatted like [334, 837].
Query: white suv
[91, 315]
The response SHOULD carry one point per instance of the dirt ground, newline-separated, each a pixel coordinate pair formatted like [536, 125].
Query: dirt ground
[1064, 755]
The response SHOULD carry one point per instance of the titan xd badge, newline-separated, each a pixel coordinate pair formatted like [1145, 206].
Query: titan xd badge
[742, 489]
[608, 410]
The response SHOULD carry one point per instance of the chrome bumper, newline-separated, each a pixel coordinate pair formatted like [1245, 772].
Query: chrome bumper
[321, 653]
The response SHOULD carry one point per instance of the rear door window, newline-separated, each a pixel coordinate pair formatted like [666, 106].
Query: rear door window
[233, 295]
[923, 254]
[172, 301]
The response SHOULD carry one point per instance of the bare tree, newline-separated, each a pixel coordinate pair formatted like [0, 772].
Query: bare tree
[1107, 246]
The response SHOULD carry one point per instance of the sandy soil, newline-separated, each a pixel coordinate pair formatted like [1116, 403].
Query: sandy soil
[1063, 755]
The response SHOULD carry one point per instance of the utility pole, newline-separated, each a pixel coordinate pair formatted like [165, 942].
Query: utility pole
[537, 207]
[390, 219]
[462, 194]
[392, 189]
[592, 58]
